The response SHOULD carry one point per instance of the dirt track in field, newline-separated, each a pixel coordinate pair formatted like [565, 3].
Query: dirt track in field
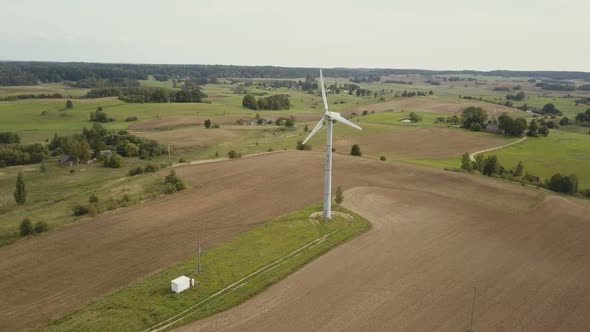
[414, 143]
[51, 275]
[416, 270]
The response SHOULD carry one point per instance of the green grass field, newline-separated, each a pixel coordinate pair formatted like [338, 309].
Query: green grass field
[52, 195]
[46, 88]
[560, 152]
[150, 301]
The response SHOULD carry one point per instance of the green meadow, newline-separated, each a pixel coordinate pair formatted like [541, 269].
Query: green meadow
[560, 152]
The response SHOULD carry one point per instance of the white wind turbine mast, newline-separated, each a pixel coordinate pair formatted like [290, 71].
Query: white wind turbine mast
[329, 117]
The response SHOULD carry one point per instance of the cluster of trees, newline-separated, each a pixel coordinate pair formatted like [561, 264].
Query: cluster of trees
[583, 117]
[517, 97]
[7, 137]
[490, 166]
[190, 93]
[366, 79]
[274, 102]
[18, 154]
[100, 116]
[26, 227]
[95, 139]
[548, 109]
[454, 119]
[416, 93]
[512, 127]
[563, 184]
[28, 73]
[556, 86]
[474, 118]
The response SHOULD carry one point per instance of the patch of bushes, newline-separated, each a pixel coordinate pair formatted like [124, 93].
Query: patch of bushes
[232, 154]
[563, 184]
[415, 117]
[26, 227]
[100, 116]
[113, 161]
[303, 147]
[173, 182]
[149, 168]
[136, 171]
[80, 210]
[131, 119]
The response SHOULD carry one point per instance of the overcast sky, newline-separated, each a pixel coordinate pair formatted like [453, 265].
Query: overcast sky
[430, 34]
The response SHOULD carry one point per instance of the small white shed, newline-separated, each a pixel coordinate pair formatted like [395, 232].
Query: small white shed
[180, 284]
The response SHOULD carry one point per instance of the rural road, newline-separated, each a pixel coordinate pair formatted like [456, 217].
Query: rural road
[472, 156]
[416, 269]
[74, 265]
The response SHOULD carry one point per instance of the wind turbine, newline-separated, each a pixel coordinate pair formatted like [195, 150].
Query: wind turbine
[329, 117]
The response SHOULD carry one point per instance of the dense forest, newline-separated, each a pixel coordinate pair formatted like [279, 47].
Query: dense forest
[91, 74]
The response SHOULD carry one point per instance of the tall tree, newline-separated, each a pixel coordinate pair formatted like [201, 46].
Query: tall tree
[519, 169]
[491, 166]
[249, 101]
[466, 163]
[20, 193]
[339, 197]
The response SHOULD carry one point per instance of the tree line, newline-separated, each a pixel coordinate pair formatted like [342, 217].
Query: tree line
[81, 147]
[490, 166]
[190, 93]
[274, 102]
[476, 119]
[29, 73]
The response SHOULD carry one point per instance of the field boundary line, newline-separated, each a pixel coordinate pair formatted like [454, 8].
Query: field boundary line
[183, 314]
[472, 156]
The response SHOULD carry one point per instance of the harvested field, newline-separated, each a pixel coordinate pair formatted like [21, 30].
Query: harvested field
[414, 143]
[71, 266]
[416, 270]
[190, 137]
[175, 121]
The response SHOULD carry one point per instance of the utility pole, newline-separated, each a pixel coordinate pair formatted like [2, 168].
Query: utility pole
[199, 251]
[472, 309]
[168, 150]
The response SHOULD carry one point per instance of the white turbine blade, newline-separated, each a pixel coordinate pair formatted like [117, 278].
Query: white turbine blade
[340, 118]
[323, 92]
[314, 130]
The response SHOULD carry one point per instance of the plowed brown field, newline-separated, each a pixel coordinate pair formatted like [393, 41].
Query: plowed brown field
[416, 270]
[488, 228]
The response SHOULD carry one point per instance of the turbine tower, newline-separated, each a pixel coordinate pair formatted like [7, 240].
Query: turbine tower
[329, 117]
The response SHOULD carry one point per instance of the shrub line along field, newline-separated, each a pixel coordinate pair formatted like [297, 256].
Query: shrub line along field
[118, 248]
